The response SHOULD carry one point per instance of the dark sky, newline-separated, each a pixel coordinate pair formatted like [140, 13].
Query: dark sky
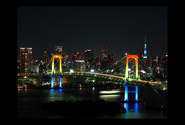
[122, 29]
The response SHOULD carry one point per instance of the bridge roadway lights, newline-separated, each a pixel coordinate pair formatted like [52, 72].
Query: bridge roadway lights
[53, 80]
[126, 93]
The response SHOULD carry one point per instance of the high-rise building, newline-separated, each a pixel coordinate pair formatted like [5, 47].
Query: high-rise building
[64, 57]
[80, 66]
[18, 65]
[72, 56]
[75, 57]
[46, 57]
[97, 63]
[150, 62]
[141, 54]
[104, 62]
[25, 59]
[58, 50]
[111, 59]
[157, 59]
[104, 54]
[89, 58]
[82, 55]
[166, 65]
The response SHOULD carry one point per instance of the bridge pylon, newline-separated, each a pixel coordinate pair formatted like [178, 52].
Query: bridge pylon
[128, 56]
[56, 79]
[60, 63]
[126, 93]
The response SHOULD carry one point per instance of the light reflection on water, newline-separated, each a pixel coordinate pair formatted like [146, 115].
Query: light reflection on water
[56, 91]
[52, 91]
[126, 106]
[134, 107]
[35, 98]
[59, 91]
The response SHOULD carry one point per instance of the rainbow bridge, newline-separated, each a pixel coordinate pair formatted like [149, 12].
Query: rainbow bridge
[57, 76]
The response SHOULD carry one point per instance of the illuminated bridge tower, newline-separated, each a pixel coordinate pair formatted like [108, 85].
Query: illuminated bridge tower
[56, 79]
[145, 52]
[128, 56]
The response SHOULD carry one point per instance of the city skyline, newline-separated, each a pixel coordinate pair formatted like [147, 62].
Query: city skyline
[121, 29]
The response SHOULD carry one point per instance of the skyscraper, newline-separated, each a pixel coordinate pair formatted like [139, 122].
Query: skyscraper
[58, 50]
[104, 53]
[89, 58]
[25, 59]
[46, 58]
[111, 58]
[141, 55]
[97, 63]
[104, 62]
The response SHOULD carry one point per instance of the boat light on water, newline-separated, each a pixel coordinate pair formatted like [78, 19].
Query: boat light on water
[110, 92]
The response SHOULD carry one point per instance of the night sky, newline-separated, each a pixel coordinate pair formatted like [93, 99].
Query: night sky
[121, 28]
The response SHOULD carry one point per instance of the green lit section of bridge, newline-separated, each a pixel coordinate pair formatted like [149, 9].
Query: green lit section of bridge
[108, 78]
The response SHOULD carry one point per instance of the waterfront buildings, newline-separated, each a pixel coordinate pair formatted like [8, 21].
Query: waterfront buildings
[58, 50]
[104, 54]
[104, 59]
[111, 59]
[80, 66]
[46, 57]
[89, 58]
[97, 63]
[25, 59]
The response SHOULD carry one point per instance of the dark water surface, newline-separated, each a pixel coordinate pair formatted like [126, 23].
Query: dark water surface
[31, 100]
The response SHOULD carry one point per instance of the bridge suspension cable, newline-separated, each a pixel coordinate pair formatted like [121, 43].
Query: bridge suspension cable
[111, 65]
[146, 68]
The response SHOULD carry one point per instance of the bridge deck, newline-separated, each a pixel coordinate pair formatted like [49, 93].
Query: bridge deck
[89, 74]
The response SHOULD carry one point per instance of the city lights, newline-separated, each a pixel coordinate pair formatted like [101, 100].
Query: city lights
[80, 61]
[92, 70]
[92, 62]
[91, 67]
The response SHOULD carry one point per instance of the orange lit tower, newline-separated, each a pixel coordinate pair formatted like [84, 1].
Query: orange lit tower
[128, 56]
[57, 79]
[60, 63]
